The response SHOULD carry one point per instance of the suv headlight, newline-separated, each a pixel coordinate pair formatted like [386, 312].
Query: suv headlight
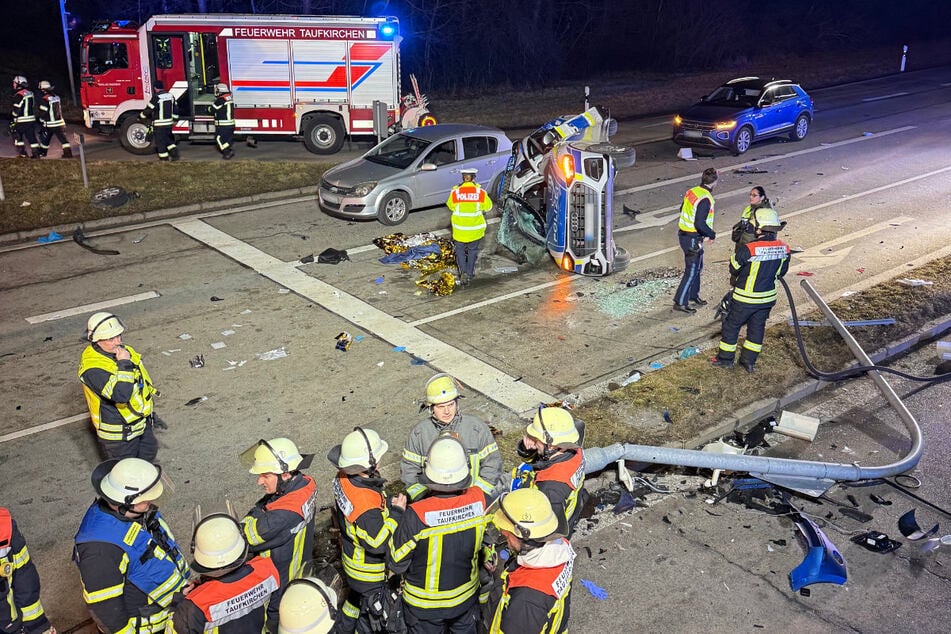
[363, 189]
[725, 125]
[678, 119]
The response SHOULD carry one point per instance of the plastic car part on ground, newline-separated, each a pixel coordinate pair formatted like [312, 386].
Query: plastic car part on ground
[435, 267]
[909, 527]
[823, 562]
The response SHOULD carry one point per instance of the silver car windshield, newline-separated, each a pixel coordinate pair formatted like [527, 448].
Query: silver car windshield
[398, 151]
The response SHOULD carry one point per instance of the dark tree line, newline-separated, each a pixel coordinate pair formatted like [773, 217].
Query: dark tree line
[456, 45]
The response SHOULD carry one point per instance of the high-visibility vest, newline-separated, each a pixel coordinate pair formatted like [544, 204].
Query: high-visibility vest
[225, 602]
[688, 209]
[135, 413]
[569, 472]
[468, 202]
[353, 501]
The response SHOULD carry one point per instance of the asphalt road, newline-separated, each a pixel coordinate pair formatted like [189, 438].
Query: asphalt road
[865, 196]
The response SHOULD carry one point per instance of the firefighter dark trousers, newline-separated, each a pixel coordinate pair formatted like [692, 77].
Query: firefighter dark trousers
[754, 316]
[464, 623]
[692, 246]
[164, 141]
[144, 446]
[25, 134]
[223, 136]
[47, 134]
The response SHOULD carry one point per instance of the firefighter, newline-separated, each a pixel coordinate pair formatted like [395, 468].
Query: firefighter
[754, 270]
[129, 563]
[744, 230]
[696, 224]
[442, 397]
[232, 590]
[281, 524]
[20, 607]
[366, 523]
[437, 545]
[119, 391]
[536, 579]
[223, 108]
[51, 116]
[308, 607]
[551, 447]
[163, 110]
[24, 118]
[468, 202]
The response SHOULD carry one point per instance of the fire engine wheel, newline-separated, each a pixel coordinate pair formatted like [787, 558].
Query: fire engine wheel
[323, 134]
[134, 136]
[393, 208]
[426, 119]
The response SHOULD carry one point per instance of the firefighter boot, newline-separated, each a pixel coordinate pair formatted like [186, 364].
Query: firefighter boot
[228, 154]
[67, 152]
[173, 152]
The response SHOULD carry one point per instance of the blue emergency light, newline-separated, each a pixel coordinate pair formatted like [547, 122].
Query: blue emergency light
[388, 30]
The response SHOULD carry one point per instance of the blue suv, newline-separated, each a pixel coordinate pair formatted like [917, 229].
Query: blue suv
[745, 110]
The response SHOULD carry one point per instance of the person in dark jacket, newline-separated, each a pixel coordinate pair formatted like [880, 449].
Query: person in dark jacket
[695, 225]
[366, 523]
[24, 118]
[52, 121]
[163, 111]
[223, 109]
[281, 524]
[755, 269]
[129, 563]
[231, 592]
[20, 607]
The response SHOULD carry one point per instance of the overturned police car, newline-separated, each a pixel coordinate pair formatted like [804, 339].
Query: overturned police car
[557, 194]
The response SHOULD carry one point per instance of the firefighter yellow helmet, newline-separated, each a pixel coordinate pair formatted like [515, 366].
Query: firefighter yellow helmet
[767, 219]
[103, 326]
[220, 546]
[447, 464]
[526, 513]
[128, 481]
[360, 450]
[308, 606]
[442, 388]
[279, 455]
[554, 426]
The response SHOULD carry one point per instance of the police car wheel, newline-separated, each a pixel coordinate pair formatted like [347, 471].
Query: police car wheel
[621, 155]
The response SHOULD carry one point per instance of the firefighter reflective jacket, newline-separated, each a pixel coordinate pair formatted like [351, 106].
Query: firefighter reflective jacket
[436, 548]
[24, 106]
[20, 605]
[689, 223]
[365, 530]
[535, 592]
[754, 269]
[119, 394]
[51, 111]
[163, 109]
[231, 604]
[130, 569]
[223, 109]
[560, 479]
[468, 202]
[485, 461]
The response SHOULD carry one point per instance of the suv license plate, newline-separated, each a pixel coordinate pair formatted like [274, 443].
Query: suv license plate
[692, 134]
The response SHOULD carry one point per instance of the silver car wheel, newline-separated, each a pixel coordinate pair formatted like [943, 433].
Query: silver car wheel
[393, 208]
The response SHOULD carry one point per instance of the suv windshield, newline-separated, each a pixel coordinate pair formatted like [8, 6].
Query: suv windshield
[398, 151]
[733, 96]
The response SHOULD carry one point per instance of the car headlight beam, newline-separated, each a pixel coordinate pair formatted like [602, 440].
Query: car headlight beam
[678, 119]
[725, 125]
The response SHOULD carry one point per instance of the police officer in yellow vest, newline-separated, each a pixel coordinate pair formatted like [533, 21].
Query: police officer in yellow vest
[119, 392]
[696, 224]
[468, 203]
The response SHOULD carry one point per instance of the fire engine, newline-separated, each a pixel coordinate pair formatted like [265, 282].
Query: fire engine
[316, 77]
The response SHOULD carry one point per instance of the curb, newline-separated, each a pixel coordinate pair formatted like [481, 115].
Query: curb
[155, 214]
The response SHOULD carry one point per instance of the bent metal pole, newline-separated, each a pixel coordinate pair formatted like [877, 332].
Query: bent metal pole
[804, 475]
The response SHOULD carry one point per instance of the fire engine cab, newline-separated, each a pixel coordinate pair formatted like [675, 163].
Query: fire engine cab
[309, 76]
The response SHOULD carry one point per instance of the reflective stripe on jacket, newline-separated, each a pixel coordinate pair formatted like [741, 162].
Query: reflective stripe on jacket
[468, 202]
[20, 585]
[755, 267]
[282, 526]
[436, 548]
[24, 106]
[112, 418]
[238, 605]
[566, 469]
[535, 599]
[162, 108]
[51, 111]
[365, 530]
[688, 209]
[223, 109]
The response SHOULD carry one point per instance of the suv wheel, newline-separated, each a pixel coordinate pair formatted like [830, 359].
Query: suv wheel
[743, 140]
[801, 129]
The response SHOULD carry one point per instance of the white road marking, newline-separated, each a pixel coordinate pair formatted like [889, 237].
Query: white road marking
[44, 427]
[480, 376]
[894, 94]
[814, 258]
[91, 308]
[769, 159]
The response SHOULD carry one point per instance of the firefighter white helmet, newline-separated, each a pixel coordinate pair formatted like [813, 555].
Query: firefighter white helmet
[103, 326]
[360, 450]
[447, 464]
[308, 606]
[20, 82]
[45, 85]
[128, 481]
[279, 455]
[767, 219]
[220, 546]
[526, 513]
[221, 88]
